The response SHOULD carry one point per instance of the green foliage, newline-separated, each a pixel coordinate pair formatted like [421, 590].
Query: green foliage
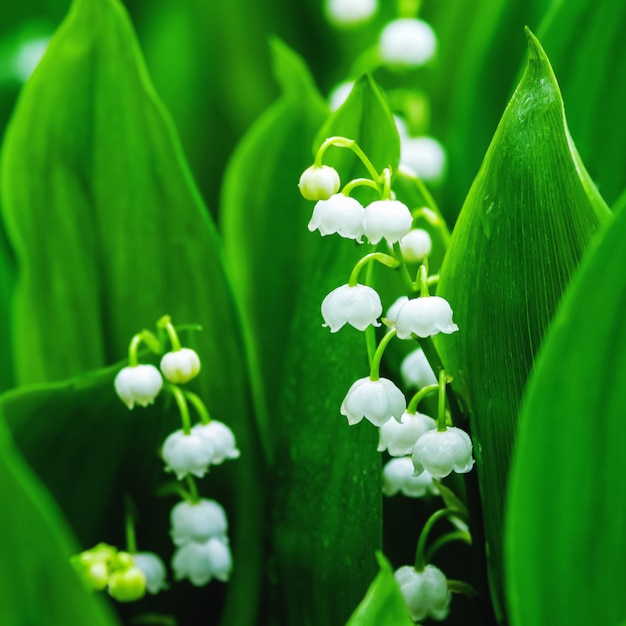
[38, 585]
[567, 504]
[527, 220]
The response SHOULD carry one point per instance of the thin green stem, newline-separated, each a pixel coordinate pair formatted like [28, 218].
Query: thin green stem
[404, 270]
[420, 559]
[419, 396]
[129, 525]
[423, 278]
[457, 535]
[181, 401]
[378, 355]
[460, 586]
[381, 257]
[199, 405]
[359, 182]
[146, 337]
[370, 344]
[194, 497]
[166, 323]
[344, 142]
[435, 220]
[386, 181]
[441, 407]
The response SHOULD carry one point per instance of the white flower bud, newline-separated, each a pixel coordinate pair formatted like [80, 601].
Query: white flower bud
[220, 439]
[200, 562]
[180, 366]
[386, 219]
[398, 438]
[186, 454]
[416, 370]
[407, 41]
[319, 183]
[398, 476]
[425, 317]
[154, 570]
[138, 383]
[425, 593]
[375, 400]
[350, 12]
[423, 156]
[339, 214]
[415, 245]
[394, 309]
[442, 452]
[198, 521]
[358, 306]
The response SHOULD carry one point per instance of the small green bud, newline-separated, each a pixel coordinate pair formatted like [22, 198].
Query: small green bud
[127, 585]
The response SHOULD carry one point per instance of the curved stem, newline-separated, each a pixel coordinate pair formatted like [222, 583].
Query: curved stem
[199, 405]
[378, 355]
[423, 278]
[129, 525]
[420, 561]
[166, 323]
[193, 495]
[381, 257]
[404, 270]
[419, 396]
[457, 535]
[358, 182]
[344, 142]
[181, 401]
[441, 406]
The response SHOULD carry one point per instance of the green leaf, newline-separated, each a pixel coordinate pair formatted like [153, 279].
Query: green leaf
[567, 504]
[584, 39]
[525, 224]
[37, 584]
[383, 604]
[264, 218]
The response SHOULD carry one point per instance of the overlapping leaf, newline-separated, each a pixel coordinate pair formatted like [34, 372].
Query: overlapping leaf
[565, 532]
[526, 222]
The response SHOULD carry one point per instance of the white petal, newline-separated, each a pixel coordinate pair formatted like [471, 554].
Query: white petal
[377, 401]
[186, 454]
[424, 156]
[386, 219]
[154, 570]
[221, 440]
[319, 183]
[416, 370]
[198, 521]
[399, 437]
[425, 593]
[441, 452]
[138, 384]
[180, 366]
[415, 245]
[358, 306]
[350, 12]
[407, 41]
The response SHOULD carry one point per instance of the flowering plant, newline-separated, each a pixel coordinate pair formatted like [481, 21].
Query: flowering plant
[382, 352]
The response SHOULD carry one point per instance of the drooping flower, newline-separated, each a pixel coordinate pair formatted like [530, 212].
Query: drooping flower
[180, 366]
[415, 245]
[154, 570]
[319, 183]
[399, 438]
[386, 219]
[375, 400]
[186, 454]
[440, 452]
[200, 562]
[127, 582]
[350, 12]
[425, 316]
[425, 593]
[198, 521]
[407, 41]
[138, 384]
[339, 214]
[94, 565]
[416, 370]
[394, 309]
[220, 439]
[358, 306]
[423, 156]
[398, 476]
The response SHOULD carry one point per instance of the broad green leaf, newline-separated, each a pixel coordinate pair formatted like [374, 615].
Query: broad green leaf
[326, 507]
[110, 233]
[567, 504]
[7, 285]
[584, 39]
[383, 604]
[525, 224]
[264, 218]
[37, 583]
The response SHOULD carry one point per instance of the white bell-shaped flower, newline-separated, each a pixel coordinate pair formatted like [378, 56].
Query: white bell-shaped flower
[339, 214]
[425, 317]
[200, 562]
[180, 366]
[416, 370]
[425, 593]
[375, 400]
[350, 12]
[407, 41]
[440, 452]
[423, 156]
[221, 440]
[415, 245]
[198, 521]
[398, 476]
[394, 309]
[138, 383]
[358, 306]
[154, 570]
[386, 219]
[319, 183]
[186, 454]
[399, 438]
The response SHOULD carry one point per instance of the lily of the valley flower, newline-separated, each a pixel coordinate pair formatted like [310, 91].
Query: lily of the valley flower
[339, 214]
[138, 384]
[424, 317]
[180, 366]
[416, 370]
[200, 562]
[350, 12]
[375, 400]
[386, 219]
[358, 306]
[399, 438]
[186, 454]
[154, 570]
[425, 593]
[319, 183]
[198, 521]
[442, 452]
[127, 582]
[398, 476]
[407, 41]
[415, 245]
[220, 439]
[423, 156]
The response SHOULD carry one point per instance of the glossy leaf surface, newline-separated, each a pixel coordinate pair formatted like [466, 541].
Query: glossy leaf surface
[525, 224]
